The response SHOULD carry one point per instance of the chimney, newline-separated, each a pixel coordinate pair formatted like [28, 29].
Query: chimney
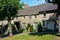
[25, 6]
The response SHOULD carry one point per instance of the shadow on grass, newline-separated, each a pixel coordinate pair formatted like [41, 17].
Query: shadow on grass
[36, 33]
[43, 33]
[6, 35]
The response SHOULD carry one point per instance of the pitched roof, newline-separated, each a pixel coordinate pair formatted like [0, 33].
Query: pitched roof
[38, 8]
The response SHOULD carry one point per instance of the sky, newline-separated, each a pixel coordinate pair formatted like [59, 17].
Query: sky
[33, 2]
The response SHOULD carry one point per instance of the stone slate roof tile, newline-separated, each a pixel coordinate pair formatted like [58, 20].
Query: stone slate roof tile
[38, 8]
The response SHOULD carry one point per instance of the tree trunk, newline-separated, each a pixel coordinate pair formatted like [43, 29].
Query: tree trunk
[2, 28]
[9, 28]
[58, 18]
[58, 23]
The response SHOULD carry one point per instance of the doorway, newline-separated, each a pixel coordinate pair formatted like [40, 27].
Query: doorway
[17, 25]
[51, 25]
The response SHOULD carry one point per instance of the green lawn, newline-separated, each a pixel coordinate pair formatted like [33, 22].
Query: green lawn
[30, 37]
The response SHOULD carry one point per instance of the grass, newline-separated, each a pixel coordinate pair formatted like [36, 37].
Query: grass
[30, 37]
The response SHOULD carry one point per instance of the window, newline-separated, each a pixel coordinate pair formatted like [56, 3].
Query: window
[30, 17]
[43, 23]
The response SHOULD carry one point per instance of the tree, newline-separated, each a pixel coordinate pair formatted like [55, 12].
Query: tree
[58, 11]
[8, 10]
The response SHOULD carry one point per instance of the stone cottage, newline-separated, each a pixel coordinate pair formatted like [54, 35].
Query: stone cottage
[45, 13]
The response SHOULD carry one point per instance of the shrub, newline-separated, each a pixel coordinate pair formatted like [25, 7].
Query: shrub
[21, 30]
[12, 25]
[32, 29]
[13, 28]
[39, 27]
[28, 25]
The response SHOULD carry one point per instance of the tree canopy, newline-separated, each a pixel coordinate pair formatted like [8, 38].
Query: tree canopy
[8, 8]
[53, 1]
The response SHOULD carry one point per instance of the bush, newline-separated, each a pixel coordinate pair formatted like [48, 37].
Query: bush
[32, 29]
[13, 29]
[12, 25]
[21, 30]
[28, 25]
[39, 27]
